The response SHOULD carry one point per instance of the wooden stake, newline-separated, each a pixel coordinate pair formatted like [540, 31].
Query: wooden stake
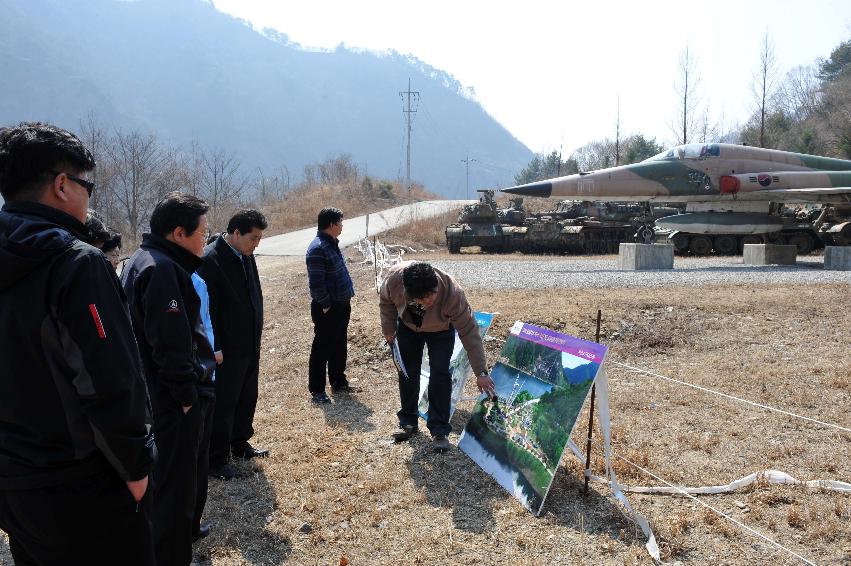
[591, 414]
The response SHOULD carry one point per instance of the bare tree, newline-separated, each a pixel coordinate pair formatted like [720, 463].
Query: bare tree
[310, 176]
[595, 155]
[800, 95]
[139, 176]
[193, 169]
[686, 89]
[763, 84]
[835, 115]
[617, 134]
[221, 186]
[103, 198]
[284, 174]
[338, 170]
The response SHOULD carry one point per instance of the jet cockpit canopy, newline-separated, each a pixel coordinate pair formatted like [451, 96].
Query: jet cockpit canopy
[688, 151]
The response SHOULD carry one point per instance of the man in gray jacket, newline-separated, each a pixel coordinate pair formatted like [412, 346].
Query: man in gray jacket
[422, 305]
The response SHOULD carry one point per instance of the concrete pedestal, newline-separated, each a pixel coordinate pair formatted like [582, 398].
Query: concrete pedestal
[769, 254]
[837, 258]
[639, 257]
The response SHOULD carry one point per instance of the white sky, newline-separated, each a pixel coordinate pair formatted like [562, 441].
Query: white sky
[551, 72]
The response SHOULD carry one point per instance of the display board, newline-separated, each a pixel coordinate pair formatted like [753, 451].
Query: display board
[459, 367]
[542, 378]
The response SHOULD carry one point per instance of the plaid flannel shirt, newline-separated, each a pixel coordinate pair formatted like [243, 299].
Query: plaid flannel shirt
[327, 274]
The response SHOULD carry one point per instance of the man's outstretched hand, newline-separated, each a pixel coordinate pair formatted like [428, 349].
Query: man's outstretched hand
[486, 385]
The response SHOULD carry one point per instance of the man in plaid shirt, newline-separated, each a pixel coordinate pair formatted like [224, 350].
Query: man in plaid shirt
[331, 291]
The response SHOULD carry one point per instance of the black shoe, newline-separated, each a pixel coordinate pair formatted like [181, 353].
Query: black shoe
[440, 443]
[202, 532]
[225, 472]
[321, 398]
[344, 388]
[404, 433]
[251, 452]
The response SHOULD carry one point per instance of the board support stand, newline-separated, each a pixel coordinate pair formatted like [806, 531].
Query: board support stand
[591, 414]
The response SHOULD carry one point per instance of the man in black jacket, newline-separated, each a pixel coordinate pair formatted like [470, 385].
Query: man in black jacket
[236, 308]
[75, 421]
[177, 360]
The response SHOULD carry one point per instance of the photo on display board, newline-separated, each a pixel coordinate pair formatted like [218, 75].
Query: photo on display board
[542, 378]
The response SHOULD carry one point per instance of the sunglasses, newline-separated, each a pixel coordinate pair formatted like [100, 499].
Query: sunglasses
[88, 185]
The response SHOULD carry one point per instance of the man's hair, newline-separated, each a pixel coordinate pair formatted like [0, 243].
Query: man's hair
[246, 220]
[29, 154]
[97, 232]
[114, 242]
[419, 280]
[177, 209]
[328, 216]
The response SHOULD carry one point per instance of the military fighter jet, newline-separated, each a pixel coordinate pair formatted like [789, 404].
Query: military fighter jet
[729, 188]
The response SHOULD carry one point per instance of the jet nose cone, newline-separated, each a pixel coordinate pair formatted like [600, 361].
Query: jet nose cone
[542, 189]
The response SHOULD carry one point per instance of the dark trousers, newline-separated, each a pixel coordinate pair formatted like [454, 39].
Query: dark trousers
[440, 345]
[178, 437]
[330, 345]
[207, 402]
[236, 400]
[90, 521]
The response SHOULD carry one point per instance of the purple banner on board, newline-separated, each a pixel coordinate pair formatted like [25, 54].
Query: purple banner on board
[558, 341]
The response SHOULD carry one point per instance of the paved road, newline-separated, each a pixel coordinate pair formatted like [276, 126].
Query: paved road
[295, 243]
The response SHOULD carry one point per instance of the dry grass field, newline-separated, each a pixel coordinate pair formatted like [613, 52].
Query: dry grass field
[334, 473]
[368, 501]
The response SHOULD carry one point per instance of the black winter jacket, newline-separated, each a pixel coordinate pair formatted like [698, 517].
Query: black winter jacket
[236, 300]
[166, 314]
[72, 398]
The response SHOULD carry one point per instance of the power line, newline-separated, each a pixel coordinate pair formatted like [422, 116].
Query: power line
[406, 98]
[467, 162]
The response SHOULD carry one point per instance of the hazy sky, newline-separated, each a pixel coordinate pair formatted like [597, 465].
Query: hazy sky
[551, 72]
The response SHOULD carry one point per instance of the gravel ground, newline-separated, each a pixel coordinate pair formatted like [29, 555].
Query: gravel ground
[603, 272]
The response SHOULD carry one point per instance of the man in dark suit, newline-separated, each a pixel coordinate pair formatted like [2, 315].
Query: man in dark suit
[236, 309]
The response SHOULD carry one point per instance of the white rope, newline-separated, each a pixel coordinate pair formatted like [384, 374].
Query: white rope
[721, 513]
[727, 395]
[769, 476]
[733, 397]
[380, 256]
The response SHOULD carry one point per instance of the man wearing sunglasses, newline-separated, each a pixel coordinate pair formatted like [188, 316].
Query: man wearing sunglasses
[75, 424]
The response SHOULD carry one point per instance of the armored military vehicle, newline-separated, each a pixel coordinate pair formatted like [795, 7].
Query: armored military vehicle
[834, 225]
[571, 227]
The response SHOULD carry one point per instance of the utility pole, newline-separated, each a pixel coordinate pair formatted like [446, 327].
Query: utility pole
[467, 163]
[406, 109]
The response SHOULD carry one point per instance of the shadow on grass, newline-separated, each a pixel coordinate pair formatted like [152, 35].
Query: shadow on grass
[453, 480]
[348, 412]
[593, 513]
[240, 512]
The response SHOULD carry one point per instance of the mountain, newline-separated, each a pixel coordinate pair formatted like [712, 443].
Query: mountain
[182, 70]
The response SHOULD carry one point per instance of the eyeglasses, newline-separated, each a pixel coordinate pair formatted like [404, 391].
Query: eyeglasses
[88, 185]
